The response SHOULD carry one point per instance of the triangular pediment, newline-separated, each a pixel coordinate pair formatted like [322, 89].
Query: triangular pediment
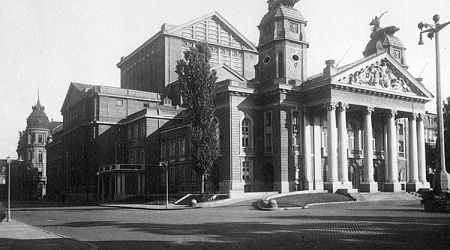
[381, 73]
[224, 72]
[75, 93]
[213, 28]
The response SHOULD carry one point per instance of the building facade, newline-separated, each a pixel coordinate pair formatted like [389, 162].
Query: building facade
[358, 127]
[32, 153]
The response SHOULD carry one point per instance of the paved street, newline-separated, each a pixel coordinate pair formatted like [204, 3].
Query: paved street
[368, 225]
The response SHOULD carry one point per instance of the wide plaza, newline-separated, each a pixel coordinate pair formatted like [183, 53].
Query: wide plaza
[355, 225]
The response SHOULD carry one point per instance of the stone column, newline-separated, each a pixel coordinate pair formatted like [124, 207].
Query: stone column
[421, 152]
[332, 172]
[412, 184]
[368, 185]
[392, 184]
[309, 182]
[343, 147]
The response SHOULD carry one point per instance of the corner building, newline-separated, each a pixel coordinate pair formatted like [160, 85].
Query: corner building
[357, 127]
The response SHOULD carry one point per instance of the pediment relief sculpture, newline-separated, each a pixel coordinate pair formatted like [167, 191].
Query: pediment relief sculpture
[381, 74]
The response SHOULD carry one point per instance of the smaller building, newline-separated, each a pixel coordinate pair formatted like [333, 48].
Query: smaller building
[32, 150]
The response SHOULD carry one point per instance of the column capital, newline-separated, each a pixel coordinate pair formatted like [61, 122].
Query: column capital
[413, 116]
[331, 105]
[420, 116]
[391, 113]
[343, 106]
[368, 110]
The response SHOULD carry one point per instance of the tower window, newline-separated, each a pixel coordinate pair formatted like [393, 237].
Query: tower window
[267, 60]
[296, 58]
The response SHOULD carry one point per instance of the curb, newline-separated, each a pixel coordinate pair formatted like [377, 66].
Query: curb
[146, 208]
[90, 245]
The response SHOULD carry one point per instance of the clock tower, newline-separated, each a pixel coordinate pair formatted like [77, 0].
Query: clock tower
[282, 45]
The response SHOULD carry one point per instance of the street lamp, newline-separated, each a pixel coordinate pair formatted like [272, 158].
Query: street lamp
[433, 31]
[8, 160]
[165, 165]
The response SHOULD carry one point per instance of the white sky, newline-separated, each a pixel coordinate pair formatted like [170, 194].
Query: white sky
[46, 44]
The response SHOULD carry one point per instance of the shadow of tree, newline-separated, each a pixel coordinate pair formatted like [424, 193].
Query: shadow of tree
[298, 231]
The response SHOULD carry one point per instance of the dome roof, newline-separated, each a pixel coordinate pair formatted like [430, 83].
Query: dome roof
[381, 39]
[38, 118]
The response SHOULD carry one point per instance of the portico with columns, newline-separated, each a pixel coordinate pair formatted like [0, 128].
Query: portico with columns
[375, 93]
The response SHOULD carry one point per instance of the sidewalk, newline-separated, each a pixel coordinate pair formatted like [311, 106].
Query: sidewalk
[17, 235]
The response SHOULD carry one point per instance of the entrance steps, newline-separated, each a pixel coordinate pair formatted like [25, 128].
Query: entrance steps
[384, 196]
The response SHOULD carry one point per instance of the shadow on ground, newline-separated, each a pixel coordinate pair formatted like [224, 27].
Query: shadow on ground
[304, 231]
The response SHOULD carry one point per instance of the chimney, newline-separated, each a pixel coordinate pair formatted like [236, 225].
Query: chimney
[330, 69]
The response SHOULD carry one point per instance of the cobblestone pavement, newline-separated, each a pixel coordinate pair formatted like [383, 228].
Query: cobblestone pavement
[364, 225]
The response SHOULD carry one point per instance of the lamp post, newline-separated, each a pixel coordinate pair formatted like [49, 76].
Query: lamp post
[8, 160]
[165, 165]
[433, 31]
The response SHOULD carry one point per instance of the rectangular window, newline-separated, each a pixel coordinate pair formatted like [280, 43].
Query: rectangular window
[119, 103]
[172, 175]
[182, 173]
[129, 133]
[40, 138]
[182, 147]
[163, 150]
[40, 157]
[30, 156]
[172, 149]
[268, 119]
[193, 176]
[400, 129]
[246, 169]
[401, 149]
[268, 142]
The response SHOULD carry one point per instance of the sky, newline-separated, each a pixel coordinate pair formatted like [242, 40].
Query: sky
[46, 44]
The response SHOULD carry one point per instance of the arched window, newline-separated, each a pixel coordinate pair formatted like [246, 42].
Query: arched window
[245, 130]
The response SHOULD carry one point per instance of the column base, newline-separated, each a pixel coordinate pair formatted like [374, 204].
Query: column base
[333, 186]
[445, 181]
[369, 187]
[318, 185]
[339, 187]
[392, 187]
[281, 186]
[309, 185]
[413, 186]
[347, 187]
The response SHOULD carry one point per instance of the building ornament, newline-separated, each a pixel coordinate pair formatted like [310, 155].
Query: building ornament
[392, 113]
[331, 106]
[343, 106]
[378, 75]
[369, 110]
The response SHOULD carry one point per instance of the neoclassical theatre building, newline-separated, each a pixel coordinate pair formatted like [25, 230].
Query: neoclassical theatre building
[358, 127]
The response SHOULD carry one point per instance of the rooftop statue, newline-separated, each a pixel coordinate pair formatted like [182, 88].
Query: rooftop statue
[273, 4]
[376, 22]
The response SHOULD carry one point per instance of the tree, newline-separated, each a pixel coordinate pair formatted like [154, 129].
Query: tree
[197, 88]
[21, 145]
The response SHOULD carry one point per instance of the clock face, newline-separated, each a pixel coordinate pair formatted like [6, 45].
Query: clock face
[397, 53]
[293, 27]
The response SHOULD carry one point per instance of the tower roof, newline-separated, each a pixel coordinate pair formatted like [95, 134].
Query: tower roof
[38, 118]
[280, 10]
